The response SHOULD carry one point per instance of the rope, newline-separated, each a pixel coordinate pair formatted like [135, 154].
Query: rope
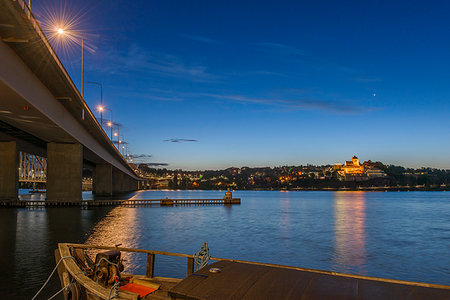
[201, 258]
[111, 263]
[67, 286]
[115, 287]
[48, 279]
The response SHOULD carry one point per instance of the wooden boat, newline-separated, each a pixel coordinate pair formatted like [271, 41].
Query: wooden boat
[83, 278]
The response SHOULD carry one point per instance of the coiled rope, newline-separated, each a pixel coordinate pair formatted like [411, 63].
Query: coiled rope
[115, 287]
[201, 258]
[51, 274]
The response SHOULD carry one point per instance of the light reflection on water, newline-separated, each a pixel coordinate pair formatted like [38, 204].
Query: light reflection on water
[395, 235]
[349, 220]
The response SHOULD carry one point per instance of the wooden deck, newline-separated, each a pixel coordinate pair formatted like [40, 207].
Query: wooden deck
[130, 203]
[251, 281]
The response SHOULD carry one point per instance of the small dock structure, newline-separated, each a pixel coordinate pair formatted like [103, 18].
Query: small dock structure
[226, 200]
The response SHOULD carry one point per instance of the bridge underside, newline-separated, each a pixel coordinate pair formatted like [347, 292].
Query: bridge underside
[42, 113]
[23, 128]
[64, 174]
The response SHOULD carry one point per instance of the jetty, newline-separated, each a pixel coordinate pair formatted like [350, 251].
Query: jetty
[226, 200]
[131, 203]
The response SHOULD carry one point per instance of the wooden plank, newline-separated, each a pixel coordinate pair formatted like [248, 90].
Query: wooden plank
[251, 281]
[233, 280]
[292, 283]
[418, 284]
[150, 271]
[324, 286]
[190, 266]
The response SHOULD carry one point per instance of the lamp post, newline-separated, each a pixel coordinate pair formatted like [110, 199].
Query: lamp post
[110, 123]
[122, 145]
[101, 98]
[117, 134]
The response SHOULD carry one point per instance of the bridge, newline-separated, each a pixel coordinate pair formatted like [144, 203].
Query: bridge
[43, 114]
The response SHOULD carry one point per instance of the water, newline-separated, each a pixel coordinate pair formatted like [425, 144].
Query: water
[401, 235]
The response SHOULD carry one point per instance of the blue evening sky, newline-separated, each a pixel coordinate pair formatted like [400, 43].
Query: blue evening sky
[266, 83]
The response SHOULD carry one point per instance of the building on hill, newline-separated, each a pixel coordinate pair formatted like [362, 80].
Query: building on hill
[353, 170]
[352, 167]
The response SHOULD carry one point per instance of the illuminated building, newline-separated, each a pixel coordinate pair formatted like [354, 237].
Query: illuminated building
[351, 167]
[354, 170]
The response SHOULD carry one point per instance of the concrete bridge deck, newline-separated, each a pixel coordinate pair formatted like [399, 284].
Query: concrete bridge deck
[43, 113]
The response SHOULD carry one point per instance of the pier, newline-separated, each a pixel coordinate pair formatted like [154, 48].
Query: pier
[129, 203]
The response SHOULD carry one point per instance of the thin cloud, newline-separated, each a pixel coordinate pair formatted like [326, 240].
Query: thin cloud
[138, 60]
[280, 48]
[140, 155]
[300, 104]
[157, 164]
[367, 79]
[180, 140]
[201, 39]
[257, 73]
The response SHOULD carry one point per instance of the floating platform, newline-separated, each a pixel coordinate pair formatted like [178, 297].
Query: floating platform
[130, 203]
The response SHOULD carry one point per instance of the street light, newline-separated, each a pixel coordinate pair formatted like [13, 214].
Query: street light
[101, 99]
[110, 123]
[117, 134]
[61, 31]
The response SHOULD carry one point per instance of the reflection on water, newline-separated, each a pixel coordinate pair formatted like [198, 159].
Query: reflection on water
[119, 227]
[285, 216]
[394, 235]
[349, 230]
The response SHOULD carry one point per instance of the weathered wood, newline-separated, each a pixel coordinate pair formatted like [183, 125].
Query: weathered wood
[190, 266]
[82, 279]
[150, 271]
[252, 281]
[262, 264]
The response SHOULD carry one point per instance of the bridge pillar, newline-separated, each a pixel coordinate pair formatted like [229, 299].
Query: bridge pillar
[117, 179]
[64, 172]
[103, 180]
[123, 183]
[9, 172]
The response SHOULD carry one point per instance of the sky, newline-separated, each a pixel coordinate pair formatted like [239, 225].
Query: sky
[212, 84]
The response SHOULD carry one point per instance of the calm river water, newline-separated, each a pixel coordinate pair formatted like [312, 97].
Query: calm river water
[401, 235]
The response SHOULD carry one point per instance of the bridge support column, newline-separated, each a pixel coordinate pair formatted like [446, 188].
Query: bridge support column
[117, 179]
[103, 180]
[9, 172]
[132, 184]
[64, 172]
[123, 183]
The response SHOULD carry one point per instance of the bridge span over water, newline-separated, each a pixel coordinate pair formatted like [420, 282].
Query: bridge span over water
[43, 113]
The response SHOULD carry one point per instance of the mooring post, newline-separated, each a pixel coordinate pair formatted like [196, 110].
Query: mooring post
[150, 271]
[190, 266]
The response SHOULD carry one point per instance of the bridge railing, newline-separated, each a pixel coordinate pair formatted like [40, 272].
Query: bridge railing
[32, 168]
[87, 111]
